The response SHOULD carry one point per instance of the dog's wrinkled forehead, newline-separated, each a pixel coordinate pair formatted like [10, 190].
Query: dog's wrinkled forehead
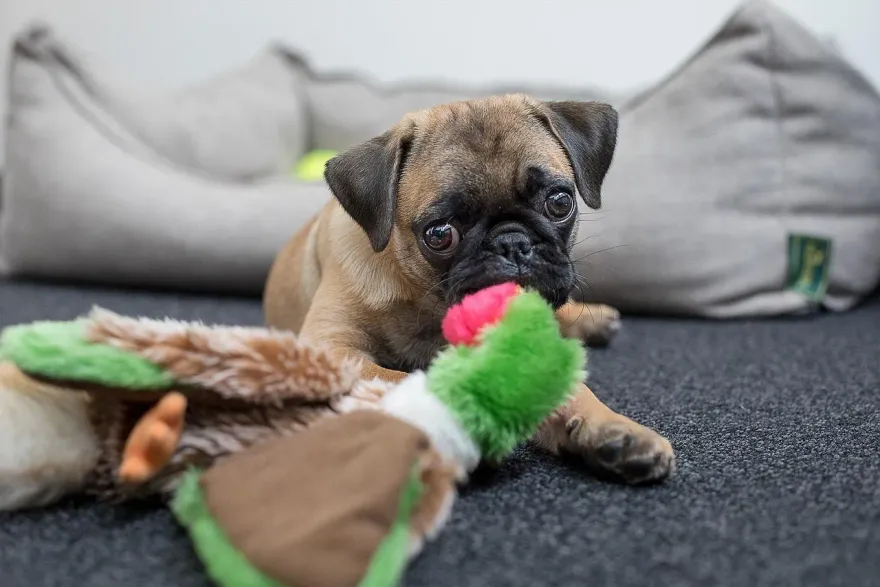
[483, 150]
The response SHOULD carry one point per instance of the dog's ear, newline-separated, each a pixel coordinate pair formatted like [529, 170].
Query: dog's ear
[588, 133]
[364, 179]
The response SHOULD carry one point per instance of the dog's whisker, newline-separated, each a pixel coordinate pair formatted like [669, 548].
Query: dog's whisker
[438, 300]
[594, 290]
[578, 260]
[580, 283]
[603, 266]
[586, 238]
[426, 297]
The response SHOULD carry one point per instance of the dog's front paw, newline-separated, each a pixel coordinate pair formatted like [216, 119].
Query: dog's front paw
[594, 324]
[622, 449]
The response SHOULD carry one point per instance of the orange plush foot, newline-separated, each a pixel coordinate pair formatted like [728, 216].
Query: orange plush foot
[153, 439]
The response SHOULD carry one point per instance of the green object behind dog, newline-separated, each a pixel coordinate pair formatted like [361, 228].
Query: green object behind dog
[311, 166]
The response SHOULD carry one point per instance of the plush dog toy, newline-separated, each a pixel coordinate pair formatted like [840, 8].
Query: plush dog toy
[97, 377]
[209, 414]
[349, 501]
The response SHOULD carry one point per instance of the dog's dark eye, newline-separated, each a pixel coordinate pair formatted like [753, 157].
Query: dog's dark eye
[559, 206]
[442, 238]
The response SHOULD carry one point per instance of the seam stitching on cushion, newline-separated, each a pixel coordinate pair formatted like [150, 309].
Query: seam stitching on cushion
[771, 61]
[306, 76]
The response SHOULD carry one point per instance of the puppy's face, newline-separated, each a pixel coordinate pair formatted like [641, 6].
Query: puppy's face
[471, 194]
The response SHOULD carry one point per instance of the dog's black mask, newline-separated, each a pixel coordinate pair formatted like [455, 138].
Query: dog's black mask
[530, 252]
[524, 238]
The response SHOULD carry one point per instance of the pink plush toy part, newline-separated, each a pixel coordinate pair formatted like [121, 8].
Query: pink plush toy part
[464, 322]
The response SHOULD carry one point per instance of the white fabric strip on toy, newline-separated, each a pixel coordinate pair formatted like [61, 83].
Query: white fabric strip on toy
[412, 402]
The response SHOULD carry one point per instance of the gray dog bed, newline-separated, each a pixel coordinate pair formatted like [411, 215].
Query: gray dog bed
[745, 183]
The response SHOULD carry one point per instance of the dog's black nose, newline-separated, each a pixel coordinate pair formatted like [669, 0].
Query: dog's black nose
[513, 244]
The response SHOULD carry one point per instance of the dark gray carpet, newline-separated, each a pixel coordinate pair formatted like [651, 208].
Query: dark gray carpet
[776, 424]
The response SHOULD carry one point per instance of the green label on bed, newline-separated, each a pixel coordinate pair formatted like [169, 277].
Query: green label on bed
[808, 262]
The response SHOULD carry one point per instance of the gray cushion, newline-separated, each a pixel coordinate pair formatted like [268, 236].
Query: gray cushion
[248, 122]
[243, 124]
[181, 197]
[728, 168]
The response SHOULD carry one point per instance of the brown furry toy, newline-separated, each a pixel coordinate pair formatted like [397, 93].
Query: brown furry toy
[121, 407]
[206, 416]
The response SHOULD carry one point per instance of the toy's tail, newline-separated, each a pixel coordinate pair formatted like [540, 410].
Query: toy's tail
[111, 353]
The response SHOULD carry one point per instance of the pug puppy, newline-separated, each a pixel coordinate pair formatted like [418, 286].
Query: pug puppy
[450, 200]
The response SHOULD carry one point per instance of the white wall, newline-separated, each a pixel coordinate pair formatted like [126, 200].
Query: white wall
[618, 44]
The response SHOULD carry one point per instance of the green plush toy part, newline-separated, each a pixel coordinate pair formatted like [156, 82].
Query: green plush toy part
[351, 500]
[61, 351]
